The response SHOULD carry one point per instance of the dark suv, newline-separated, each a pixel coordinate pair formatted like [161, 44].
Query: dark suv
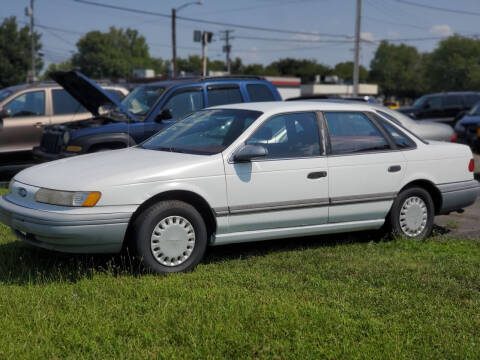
[445, 107]
[146, 110]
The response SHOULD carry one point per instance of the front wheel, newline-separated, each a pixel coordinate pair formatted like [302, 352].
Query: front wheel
[413, 214]
[170, 236]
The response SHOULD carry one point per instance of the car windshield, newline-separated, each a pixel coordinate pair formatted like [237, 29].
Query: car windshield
[4, 94]
[204, 132]
[420, 101]
[140, 100]
[475, 110]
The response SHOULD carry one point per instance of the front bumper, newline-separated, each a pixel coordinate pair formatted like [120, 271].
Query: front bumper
[99, 232]
[41, 156]
[458, 195]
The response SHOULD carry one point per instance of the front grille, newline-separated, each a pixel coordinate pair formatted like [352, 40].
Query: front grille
[51, 141]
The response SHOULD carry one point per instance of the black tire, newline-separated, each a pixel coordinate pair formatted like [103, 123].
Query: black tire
[147, 221]
[396, 211]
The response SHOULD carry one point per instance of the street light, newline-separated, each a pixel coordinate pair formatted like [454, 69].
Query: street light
[174, 37]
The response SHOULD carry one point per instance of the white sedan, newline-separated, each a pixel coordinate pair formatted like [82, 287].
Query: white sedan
[238, 173]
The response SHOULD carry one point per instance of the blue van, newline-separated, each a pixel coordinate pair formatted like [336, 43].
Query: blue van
[145, 111]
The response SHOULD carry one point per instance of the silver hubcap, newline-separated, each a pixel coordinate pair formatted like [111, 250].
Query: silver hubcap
[413, 216]
[172, 241]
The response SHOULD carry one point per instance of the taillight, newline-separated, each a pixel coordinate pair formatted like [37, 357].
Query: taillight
[454, 137]
[471, 165]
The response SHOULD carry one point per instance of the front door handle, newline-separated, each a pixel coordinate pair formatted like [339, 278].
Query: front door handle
[317, 175]
[38, 125]
[394, 168]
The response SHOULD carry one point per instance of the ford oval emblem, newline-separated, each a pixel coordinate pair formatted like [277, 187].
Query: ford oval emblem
[22, 192]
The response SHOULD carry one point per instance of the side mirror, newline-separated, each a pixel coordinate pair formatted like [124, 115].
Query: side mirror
[165, 114]
[249, 152]
[5, 113]
[426, 106]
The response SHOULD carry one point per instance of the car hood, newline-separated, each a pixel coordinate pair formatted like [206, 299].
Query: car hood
[87, 92]
[119, 167]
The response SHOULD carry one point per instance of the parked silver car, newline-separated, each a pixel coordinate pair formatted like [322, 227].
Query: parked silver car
[25, 109]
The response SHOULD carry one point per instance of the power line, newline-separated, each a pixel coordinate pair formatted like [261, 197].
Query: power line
[437, 8]
[209, 22]
[291, 40]
[395, 23]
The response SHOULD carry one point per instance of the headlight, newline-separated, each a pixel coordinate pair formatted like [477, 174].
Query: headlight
[66, 137]
[68, 198]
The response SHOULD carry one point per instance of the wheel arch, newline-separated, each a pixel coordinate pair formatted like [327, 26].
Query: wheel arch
[430, 188]
[189, 197]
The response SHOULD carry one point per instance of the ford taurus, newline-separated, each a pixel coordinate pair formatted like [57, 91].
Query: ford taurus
[239, 173]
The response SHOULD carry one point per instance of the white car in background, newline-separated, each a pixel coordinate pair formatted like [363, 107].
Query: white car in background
[238, 173]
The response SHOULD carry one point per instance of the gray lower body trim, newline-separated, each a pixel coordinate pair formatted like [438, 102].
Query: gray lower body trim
[302, 204]
[86, 233]
[279, 233]
[458, 195]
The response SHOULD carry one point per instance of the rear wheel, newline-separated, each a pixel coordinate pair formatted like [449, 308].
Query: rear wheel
[170, 236]
[413, 214]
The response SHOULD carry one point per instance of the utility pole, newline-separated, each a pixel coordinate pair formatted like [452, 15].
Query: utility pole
[174, 43]
[174, 30]
[357, 48]
[29, 12]
[204, 53]
[227, 48]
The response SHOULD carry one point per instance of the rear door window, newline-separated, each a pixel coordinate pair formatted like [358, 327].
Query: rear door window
[453, 101]
[64, 103]
[259, 92]
[223, 94]
[353, 132]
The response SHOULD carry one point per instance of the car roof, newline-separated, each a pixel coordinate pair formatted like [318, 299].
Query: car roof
[282, 106]
[454, 93]
[52, 84]
[198, 80]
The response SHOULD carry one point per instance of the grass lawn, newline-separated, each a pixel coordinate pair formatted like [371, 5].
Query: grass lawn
[325, 297]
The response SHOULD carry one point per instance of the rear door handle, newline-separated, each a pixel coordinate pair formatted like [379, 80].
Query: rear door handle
[317, 175]
[38, 125]
[394, 168]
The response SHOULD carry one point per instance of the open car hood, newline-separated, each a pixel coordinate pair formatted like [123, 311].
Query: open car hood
[87, 92]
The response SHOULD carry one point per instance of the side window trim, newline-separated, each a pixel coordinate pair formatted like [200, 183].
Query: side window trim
[320, 138]
[386, 136]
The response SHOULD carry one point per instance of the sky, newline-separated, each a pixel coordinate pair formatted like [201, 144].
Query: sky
[381, 19]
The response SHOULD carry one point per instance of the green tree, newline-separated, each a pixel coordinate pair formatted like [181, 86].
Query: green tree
[304, 68]
[62, 66]
[15, 52]
[455, 65]
[397, 70]
[344, 70]
[112, 54]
